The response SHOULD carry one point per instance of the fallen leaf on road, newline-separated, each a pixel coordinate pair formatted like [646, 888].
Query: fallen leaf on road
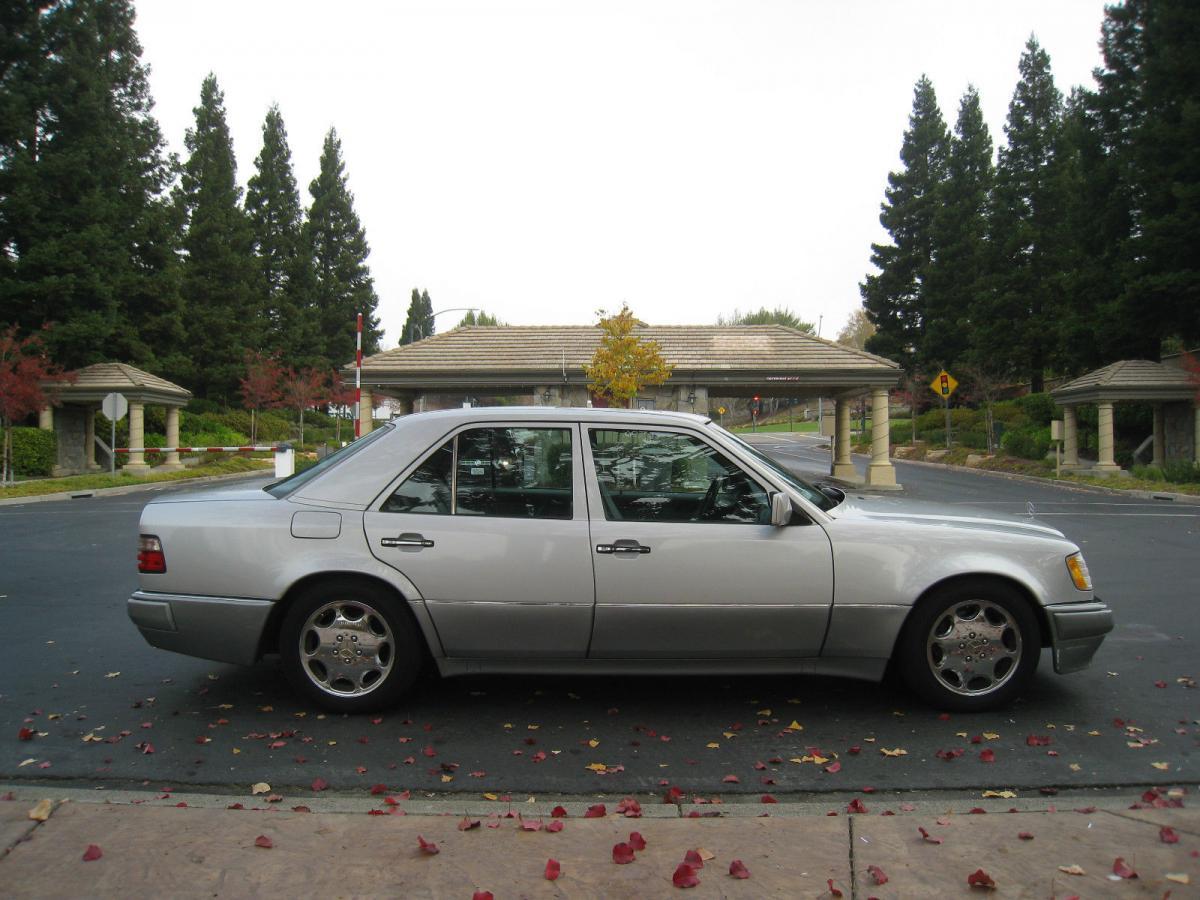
[552, 869]
[1122, 869]
[899, 751]
[427, 847]
[112, 674]
[738, 869]
[41, 810]
[1072, 870]
[1167, 835]
[598, 811]
[877, 874]
[982, 879]
[1178, 877]
[685, 877]
[622, 854]
[260, 788]
[92, 852]
[1005, 795]
[927, 837]
[263, 841]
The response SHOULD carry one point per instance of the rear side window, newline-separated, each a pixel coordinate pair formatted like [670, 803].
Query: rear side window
[499, 472]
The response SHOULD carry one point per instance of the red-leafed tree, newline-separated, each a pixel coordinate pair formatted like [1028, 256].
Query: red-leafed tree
[261, 387]
[24, 369]
[304, 389]
[1191, 365]
[341, 396]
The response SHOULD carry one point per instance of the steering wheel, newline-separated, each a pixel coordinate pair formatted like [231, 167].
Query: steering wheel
[709, 503]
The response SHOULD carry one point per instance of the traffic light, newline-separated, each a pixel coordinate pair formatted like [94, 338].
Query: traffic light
[944, 381]
[756, 406]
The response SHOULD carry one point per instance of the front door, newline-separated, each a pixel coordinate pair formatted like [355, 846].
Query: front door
[492, 529]
[687, 563]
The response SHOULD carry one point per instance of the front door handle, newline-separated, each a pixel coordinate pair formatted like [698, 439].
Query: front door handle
[622, 547]
[408, 539]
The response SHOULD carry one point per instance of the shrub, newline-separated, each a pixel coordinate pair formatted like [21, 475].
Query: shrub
[1180, 471]
[34, 451]
[1039, 407]
[975, 439]
[1148, 473]
[1027, 443]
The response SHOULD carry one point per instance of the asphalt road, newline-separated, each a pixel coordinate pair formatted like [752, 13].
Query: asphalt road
[111, 711]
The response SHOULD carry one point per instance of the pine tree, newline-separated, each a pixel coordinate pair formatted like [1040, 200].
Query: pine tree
[960, 226]
[86, 233]
[480, 317]
[284, 266]
[418, 324]
[894, 298]
[1019, 318]
[336, 241]
[778, 316]
[224, 319]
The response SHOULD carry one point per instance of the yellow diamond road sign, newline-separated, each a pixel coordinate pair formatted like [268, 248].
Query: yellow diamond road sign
[943, 384]
[721, 410]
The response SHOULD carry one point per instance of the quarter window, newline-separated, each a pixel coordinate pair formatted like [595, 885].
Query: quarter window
[426, 490]
[657, 476]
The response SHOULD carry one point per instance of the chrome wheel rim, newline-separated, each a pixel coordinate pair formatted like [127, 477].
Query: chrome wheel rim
[346, 648]
[974, 648]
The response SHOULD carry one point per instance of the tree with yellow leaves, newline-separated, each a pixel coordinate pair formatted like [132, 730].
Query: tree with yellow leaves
[624, 363]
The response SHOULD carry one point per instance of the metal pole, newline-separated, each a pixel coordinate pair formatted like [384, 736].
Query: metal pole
[112, 447]
[358, 380]
[946, 400]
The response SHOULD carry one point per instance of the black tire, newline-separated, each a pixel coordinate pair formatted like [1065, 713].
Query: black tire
[339, 676]
[969, 646]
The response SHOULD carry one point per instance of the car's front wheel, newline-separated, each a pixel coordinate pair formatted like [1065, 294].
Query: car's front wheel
[350, 647]
[970, 646]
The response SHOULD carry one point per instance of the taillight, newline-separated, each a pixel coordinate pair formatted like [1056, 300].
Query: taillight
[151, 560]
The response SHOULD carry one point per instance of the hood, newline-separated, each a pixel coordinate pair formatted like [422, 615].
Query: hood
[922, 512]
[239, 494]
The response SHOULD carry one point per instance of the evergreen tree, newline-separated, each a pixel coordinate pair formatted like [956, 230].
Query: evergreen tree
[960, 228]
[1018, 319]
[763, 316]
[482, 317]
[338, 246]
[284, 266]
[418, 324]
[894, 298]
[224, 317]
[86, 235]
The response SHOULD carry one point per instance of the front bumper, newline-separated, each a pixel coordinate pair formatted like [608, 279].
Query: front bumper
[1076, 632]
[226, 629]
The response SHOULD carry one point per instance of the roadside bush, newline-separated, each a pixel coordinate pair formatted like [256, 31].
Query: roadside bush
[1039, 407]
[1180, 471]
[976, 440]
[34, 451]
[1027, 443]
[1148, 473]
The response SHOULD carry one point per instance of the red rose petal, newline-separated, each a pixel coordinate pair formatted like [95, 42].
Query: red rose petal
[987, 756]
[319, 784]
[25, 734]
[467, 824]
[1038, 740]
[636, 841]
[1168, 835]
[833, 891]
[531, 825]
[685, 877]
[263, 841]
[927, 837]
[427, 847]
[731, 779]
[738, 869]
[767, 798]
[552, 869]
[622, 854]
[482, 895]
[877, 874]
[980, 878]
[834, 767]
[856, 806]
[694, 859]
[1025, 835]
[555, 826]
[558, 812]
[598, 811]
[673, 795]
[1122, 869]
[92, 852]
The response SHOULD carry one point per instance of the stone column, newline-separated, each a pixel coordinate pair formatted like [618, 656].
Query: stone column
[89, 439]
[701, 408]
[881, 473]
[366, 407]
[843, 468]
[1070, 438]
[136, 462]
[1160, 437]
[1106, 464]
[46, 418]
[172, 460]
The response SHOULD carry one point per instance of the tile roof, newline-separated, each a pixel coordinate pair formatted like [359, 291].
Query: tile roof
[549, 348]
[103, 378]
[1129, 379]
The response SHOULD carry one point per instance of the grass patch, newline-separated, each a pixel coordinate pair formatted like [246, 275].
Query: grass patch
[1132, 484]
[234, 465]
[797, 427]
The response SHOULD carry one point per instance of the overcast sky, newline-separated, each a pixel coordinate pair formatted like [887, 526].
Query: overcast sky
[543, 160]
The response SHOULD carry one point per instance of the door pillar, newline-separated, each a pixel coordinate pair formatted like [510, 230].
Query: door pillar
[881, 473]
[1070, 438]
[172, 460]
[136, 461]
[1160, 437]
[1104, 414]
[843, 468]
[89, 439]
[366, 407]
[46, 418]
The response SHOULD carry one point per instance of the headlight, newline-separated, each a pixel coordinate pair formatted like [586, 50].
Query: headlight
[1079, 571]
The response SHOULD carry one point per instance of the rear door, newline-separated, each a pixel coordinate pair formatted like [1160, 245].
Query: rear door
[687, 563]
[491, 526]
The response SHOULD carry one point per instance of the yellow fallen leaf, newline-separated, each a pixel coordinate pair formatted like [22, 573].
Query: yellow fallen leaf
[899, 751]
[507, 725]
[764, 712]
[300, 715]
[593, 743]
[706, 855]
[1051, 725]
[728, 735]
[260, 787]
[447, 778]
[795, 726]
[41, 811]
[236, 751]
[112, 674]
[991, 735]
[1094, 733]
[490, 796]
[332, 743]
[820, 760]
[712, 745]
[1006, 795]
[212, 677]
[1072, 870]
[90, 738]
[798, 760]
[54, 716]
[1075, 767]
[533, 727]
[266, 709]
[1178, 877]
[896, 712]
[597, 767]
[26, 762]
[961, 734]
[869, 740]
[224, 706]
[1161, 766]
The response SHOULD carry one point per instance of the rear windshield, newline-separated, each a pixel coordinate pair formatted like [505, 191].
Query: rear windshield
[286, 486]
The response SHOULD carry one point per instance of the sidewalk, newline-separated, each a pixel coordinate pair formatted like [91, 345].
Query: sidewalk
[181, 845]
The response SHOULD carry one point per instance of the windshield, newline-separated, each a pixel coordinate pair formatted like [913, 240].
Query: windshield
[806, 490]
[285, 486]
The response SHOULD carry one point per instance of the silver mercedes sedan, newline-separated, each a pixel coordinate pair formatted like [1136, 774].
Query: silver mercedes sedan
[601, 541]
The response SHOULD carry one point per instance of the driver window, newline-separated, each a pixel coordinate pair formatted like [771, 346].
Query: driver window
[659, 476]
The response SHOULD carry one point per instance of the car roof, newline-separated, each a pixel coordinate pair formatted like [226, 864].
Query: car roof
[541, 413]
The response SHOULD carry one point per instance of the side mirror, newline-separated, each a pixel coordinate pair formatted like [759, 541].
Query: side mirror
[781, 509]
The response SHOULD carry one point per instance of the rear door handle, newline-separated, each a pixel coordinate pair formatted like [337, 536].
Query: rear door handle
[622, 547]
[408, 539]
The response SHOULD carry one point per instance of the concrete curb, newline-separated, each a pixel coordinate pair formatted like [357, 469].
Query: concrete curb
[85, 493]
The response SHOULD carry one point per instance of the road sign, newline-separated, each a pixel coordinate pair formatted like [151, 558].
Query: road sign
[943, 384]
[114, 407]
[721, 410]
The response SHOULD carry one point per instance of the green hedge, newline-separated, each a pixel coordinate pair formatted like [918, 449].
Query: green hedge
[1027, 443]
[34, 451]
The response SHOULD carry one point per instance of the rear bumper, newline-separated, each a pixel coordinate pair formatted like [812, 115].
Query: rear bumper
[1076, 632]
[226, 629]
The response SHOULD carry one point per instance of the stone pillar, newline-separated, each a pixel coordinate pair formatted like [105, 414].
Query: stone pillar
[136, 462]
[1106, 465]
[46, 418]
[1160, 437]
[881, 473]
[89, 439]
[1070, 438]
[843, 468]
[701, 408]
[403, 405]
[366, 409]
[172, 460]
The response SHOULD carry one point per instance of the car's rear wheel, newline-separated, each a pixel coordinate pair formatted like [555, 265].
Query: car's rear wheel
[971, 645]
[350, 646]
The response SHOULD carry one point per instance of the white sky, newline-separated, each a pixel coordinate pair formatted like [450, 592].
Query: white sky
[542, 160]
